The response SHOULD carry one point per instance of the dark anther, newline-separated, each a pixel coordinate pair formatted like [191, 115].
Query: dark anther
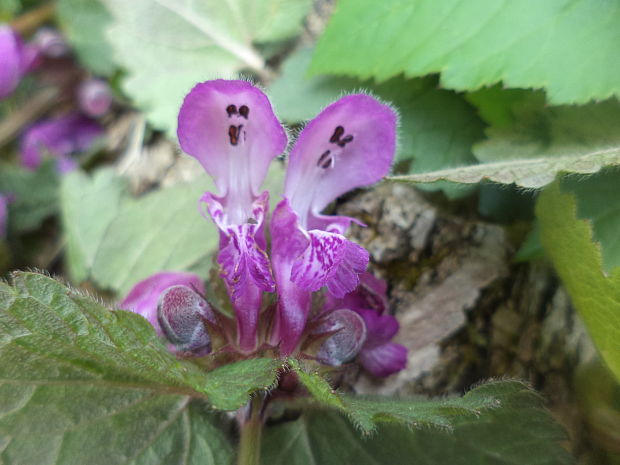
[325, 160]
[345, 140]
[231, 110]
[338, 132]
[244, 111]
[233, 133]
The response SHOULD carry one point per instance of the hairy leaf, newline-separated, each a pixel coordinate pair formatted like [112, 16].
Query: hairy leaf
[167, 46]
[519, 431]
[52, 336]
[118, 240]
[563, 46]
[577, 259]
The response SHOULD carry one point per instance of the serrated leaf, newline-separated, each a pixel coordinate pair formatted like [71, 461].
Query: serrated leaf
[52, 335]
[519, 431]
[230, 385]
[35, 194]
[472, 43]
[437, 127]
[118, 240]
[577, 259]
[195, 41]
[84, 23]
[318, 387]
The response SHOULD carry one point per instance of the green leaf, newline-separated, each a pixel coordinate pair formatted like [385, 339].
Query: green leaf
[437, 127]
[473, 43]
[194, 41]
[539, 143]
[118, 240]
[51, 425]
[84, 23]
[519, 431]
[318, 387]
[35, 194]
[577, 259]
[230, 385]
[598, 200]
[53, 336]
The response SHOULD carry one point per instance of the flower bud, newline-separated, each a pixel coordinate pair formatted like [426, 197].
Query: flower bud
[182, 314]
[94, 97]
[347, 338]
[50, 43]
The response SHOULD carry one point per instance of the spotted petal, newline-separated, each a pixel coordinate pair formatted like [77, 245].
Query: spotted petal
[230, 128]
[350, 144]
[330, 260]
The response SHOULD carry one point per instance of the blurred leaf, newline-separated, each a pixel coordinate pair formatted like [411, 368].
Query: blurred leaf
[531, 248]
[88, 206]
[596, 295]
[437, 127]
[562, 45]
[505, 203]
[84, 23]
[119, 240]
[598, 200]
[35, 194]
[519, 431]
[167, 46]
[8, 8]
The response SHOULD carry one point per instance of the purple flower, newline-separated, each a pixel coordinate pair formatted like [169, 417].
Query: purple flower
[16, 59]
[60, 137]
[144, 296]
[349, 144]
[4, 204]
[94, 97]
[230, 128]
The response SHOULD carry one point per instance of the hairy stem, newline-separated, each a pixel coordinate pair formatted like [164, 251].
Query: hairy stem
[251, 430]
[32, 19]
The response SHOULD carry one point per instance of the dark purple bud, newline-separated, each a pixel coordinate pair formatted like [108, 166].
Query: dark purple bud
[349, 335]
[94, 97]
[50, 43]
[182, 314]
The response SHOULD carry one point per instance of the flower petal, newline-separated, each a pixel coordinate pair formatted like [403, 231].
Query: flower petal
[11, 67]
[230, 128]
[384, 360]
[59, 137]
[381, 328]
[331, 260]
[348, 338]
[288, 243]
[144, 296]
[350, 144]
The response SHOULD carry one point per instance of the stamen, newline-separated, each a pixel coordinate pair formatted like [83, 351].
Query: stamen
[231, 110]
[338, 132]
[233, 133]
[244, 111]
[325, 160]
[345, 140]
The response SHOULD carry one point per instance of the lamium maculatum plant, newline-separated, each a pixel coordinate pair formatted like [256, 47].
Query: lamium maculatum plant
[297, 287]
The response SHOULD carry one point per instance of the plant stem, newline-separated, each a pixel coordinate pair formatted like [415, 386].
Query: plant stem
[32, 19]
[251, 431]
